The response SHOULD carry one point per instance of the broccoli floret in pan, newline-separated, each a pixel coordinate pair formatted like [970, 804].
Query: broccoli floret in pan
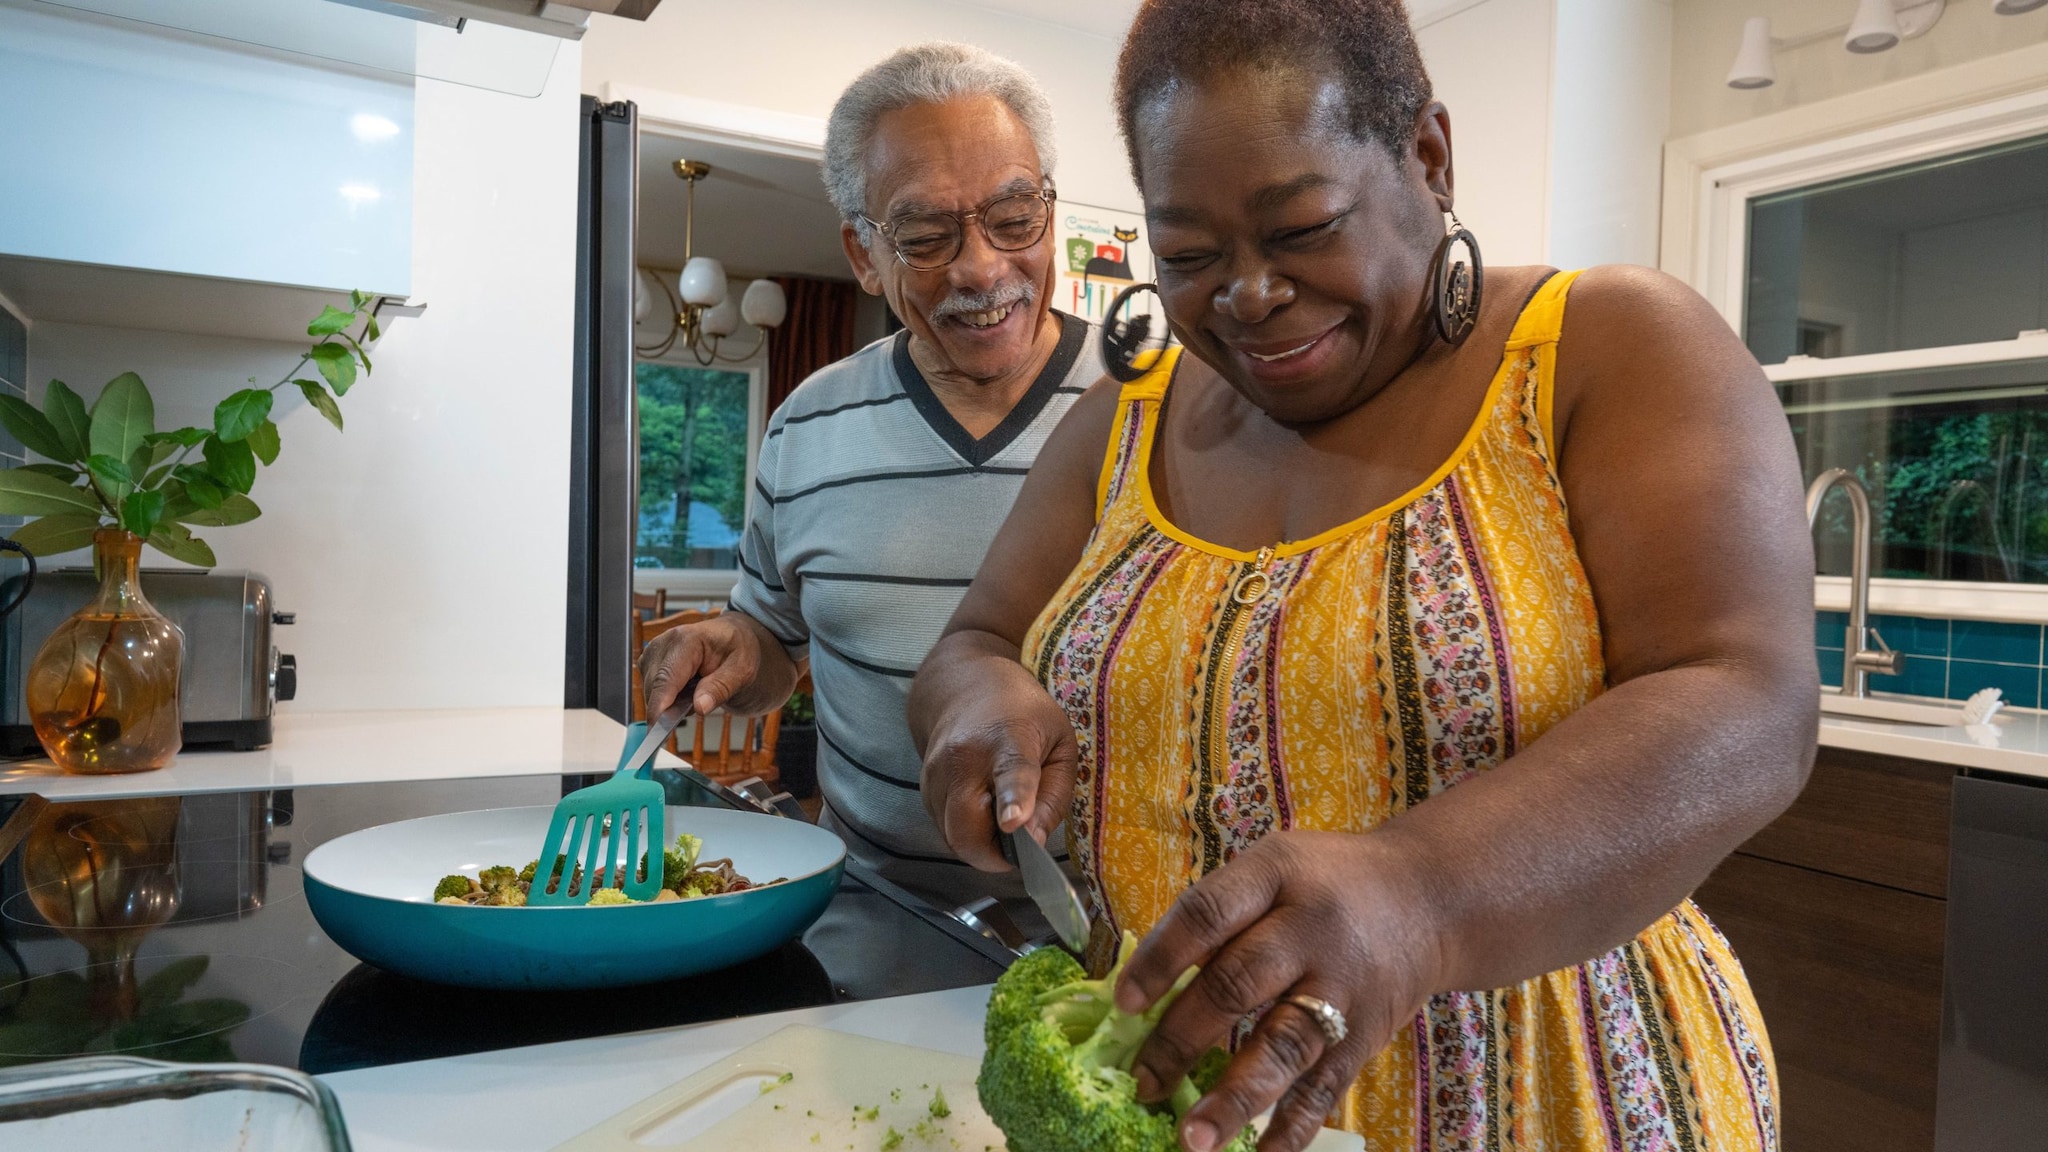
[497, 877]
[679, 860]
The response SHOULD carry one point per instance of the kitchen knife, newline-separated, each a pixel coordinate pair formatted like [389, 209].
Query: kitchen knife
[1048, 887]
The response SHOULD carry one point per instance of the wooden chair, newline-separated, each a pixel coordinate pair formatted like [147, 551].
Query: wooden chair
[650, 605]
[724, 747]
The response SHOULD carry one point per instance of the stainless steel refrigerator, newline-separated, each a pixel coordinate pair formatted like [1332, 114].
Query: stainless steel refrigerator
[603, 427]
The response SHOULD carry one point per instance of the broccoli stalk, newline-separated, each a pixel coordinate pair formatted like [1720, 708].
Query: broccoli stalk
[1056, 1076]
[1106, 1039]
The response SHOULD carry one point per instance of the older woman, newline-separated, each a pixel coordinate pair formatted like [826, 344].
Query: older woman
[1407, 676]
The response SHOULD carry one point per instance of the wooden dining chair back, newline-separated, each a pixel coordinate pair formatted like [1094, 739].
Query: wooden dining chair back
[723, 746]
[650, 605]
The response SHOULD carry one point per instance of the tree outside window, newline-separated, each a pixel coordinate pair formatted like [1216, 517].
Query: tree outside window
[693, 466]
[1897, 312]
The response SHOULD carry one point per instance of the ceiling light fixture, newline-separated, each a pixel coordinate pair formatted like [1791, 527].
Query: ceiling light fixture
[1753, 67]
[704, 312]
[1875, 28]
[1878, 26]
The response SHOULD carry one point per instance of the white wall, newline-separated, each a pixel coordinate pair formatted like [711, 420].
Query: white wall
[425, 549]
[795, 56]
[1559, 110]
[1490, 65]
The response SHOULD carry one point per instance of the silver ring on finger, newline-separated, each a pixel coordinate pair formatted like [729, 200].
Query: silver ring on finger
[1325, 1014]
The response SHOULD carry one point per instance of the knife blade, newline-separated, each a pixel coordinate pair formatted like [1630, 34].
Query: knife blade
[1048, 888]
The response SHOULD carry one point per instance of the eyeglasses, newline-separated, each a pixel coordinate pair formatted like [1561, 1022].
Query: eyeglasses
[1010, 223]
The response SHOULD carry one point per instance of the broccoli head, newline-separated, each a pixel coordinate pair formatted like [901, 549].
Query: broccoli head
[609, 896]
[1056, 1075]
[500, 876]
[510, 896]
[701, 884]
[677, 861]
[456, 885]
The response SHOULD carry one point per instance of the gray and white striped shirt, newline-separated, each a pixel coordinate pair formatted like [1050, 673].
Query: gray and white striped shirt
[873, 509]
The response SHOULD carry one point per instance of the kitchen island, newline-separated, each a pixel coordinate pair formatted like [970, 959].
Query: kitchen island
[190, 877]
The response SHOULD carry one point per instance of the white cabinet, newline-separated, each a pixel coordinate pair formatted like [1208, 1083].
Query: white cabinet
[131, 148]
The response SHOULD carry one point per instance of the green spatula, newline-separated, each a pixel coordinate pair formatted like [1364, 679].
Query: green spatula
[614, 825]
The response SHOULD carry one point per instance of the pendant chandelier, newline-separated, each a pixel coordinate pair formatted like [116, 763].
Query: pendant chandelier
[703, 313]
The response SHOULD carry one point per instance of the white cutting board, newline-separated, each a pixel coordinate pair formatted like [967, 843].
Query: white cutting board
[724, 1107]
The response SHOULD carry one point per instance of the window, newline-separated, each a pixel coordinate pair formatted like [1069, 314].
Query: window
[698, 428]
[1898, 312]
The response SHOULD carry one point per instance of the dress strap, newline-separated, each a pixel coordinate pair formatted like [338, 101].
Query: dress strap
[1542, 318]
[1137, 407]
[1536, 332]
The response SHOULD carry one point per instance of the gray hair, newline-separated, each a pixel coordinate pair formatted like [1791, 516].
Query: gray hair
[928, 73]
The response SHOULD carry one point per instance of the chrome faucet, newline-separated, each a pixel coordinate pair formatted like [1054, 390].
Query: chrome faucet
[1858, 662]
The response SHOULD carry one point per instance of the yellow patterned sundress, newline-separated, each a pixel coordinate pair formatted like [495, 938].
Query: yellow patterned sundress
[1359, 673]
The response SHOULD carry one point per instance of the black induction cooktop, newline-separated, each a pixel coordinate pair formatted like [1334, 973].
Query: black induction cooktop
[177, 928]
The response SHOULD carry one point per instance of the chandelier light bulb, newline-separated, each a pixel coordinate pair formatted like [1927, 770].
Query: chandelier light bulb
[703, 282]
[1875, 29]
[1753, 67]
[723, 318]
[765, 306]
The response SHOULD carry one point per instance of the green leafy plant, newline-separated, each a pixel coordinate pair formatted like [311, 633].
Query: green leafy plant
[110, 467]
[51, 1017]
[800, 709]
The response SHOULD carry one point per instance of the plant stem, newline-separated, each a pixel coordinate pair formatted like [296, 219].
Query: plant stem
[105, 501]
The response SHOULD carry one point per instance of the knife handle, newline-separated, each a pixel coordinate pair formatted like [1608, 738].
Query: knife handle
[1007, 841]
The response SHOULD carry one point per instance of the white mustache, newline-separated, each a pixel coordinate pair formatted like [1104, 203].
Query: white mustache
[1002, 296]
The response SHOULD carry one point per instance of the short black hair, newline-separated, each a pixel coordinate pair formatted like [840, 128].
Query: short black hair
[1367, 44]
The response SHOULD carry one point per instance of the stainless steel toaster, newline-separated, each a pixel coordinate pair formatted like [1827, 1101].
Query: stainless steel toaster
[234, 675]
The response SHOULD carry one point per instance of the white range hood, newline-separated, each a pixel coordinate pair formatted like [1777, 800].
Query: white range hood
[564, 18]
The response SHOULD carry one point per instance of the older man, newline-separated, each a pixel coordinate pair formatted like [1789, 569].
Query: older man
[884, 477]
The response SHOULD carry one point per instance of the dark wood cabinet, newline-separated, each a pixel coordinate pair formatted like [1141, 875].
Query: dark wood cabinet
[1836, 911]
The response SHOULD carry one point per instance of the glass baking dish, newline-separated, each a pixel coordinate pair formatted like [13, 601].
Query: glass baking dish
[124, 1103]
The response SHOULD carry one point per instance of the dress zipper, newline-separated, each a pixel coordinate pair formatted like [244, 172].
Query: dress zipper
[1250, 587]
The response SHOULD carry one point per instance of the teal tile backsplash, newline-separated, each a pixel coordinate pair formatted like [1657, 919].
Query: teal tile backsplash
[1944, 658]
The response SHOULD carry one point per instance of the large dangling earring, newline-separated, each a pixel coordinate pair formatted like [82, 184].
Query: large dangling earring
[1131, 346]
[1455, 288]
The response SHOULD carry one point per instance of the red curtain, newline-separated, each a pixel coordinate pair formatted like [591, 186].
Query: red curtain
[818, 331]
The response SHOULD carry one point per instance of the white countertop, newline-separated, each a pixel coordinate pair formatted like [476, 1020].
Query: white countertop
[531, 1099]
[315, 748]
[2016, 741]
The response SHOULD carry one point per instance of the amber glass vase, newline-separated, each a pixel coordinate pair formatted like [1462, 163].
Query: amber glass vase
[103, 692]
[105, 874]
